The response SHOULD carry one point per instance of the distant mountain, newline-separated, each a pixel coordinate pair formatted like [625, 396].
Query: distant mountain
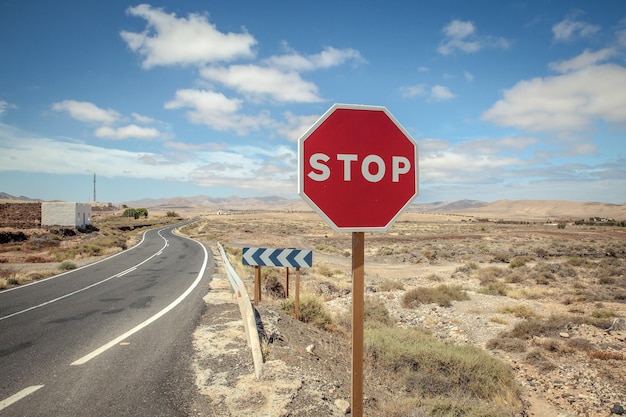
[547, 209]
[5, 196]
[536, 210]
[203, 202]
[446, 206]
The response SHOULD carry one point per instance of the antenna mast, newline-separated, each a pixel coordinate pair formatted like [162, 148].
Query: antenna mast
[94, 187]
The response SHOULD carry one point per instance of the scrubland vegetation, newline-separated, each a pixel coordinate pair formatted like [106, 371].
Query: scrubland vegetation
[557, 279]
[45, 252]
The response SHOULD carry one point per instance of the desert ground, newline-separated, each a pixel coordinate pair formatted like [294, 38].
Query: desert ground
[546, 300]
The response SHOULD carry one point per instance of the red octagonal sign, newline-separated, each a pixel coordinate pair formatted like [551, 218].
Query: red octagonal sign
[358, 168]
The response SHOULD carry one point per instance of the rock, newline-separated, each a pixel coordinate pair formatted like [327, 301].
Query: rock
[617, 409]
[343, 405]
[564, 335]
[310, 348]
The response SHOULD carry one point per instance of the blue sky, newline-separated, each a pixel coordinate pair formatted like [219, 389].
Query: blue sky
[506, 99]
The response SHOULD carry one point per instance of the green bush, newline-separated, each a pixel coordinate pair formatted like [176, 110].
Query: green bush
[130, 212]
[141, 212]
[67, 266]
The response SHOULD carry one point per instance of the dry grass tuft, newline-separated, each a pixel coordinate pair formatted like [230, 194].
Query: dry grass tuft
[442, 295]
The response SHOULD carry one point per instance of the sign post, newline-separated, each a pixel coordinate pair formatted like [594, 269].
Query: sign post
[358, 313]
[358, 169]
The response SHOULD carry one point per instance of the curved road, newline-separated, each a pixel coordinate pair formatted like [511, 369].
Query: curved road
[112, 338]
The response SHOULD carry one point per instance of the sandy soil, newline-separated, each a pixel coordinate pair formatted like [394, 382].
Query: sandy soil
[427, 251]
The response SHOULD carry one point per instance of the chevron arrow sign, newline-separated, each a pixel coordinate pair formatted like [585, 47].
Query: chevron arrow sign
[294, 258]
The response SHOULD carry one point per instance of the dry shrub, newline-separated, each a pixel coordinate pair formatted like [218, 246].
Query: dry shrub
[467, 268]
[391, 285]
[520, 311]
[576, 261]
[580, 344]
[491, 274]
[536, 359]
[606, 355]
[438, 406]
[442, 295]
[507, 344]
[376, 314]
[549, 327]
[519, 261]
[312, 310]
[494, 288]
[448, 374]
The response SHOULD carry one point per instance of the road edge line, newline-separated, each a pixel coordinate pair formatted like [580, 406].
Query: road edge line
[152, 319]
[18, 396]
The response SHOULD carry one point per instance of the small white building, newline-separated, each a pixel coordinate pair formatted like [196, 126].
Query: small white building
[65, 214]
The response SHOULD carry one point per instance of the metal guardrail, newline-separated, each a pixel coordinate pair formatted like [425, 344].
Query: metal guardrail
[247, 312]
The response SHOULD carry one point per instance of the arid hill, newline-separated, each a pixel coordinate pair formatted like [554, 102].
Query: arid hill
[532, 210]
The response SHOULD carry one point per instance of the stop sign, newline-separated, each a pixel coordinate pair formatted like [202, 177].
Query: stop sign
[357, 168]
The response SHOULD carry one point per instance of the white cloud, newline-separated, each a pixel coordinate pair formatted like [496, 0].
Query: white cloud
[295, 125]
[143, 119]
[126, 132]
[496, 146]
[413, 90]
[22, 152]
[217, 111]
[564, 103]
[441, 93]
[86, 111]
[578, 149]
[469, 77]
[5, 105]
[329, 57]
[584, 60]
[169, 40]
[259, 82]
[182, 146]
[435, 93]
[241, 168]
[569, 28]
[461, 36]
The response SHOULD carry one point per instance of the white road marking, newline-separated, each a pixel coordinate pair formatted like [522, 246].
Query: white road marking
[87, 287]
[16, 397]
[152, 319]
[129, 270]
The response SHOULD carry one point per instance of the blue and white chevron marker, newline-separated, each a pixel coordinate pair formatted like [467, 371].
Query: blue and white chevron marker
[294, 258]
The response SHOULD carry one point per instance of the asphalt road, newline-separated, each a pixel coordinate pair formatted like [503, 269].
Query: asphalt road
[109, 339]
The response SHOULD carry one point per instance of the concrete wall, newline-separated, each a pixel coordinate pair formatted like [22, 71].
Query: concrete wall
[65, 214]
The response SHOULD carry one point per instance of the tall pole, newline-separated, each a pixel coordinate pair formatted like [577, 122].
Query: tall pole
[94, 187]
[358, 301]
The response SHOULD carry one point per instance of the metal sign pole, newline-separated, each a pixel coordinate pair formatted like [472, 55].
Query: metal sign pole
[358, 301]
